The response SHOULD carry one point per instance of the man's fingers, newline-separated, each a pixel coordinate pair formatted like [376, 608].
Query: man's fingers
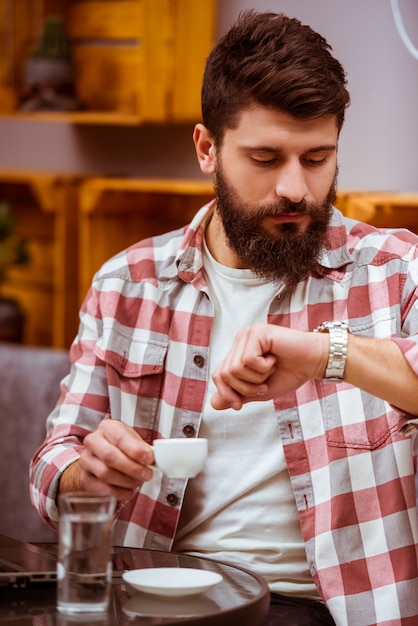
[92, 484]
[115, 457]
[126, 440]
[220, 402]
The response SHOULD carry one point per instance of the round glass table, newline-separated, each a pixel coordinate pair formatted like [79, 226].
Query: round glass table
[241, 597]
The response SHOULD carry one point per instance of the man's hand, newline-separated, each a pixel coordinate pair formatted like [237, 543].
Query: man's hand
[268, 361]
[114, 461]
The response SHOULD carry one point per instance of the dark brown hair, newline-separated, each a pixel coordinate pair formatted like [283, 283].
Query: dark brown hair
[271, 60]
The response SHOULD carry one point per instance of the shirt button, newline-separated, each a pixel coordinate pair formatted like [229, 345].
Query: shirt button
[172, 499]
[198, 360]
[189, 430]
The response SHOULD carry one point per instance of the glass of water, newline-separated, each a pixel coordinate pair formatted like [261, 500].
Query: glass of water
[84, 568]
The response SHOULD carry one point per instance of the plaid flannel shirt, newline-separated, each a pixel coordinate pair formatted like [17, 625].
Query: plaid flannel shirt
[141, 356]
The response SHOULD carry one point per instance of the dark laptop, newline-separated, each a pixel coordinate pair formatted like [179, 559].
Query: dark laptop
[24, 565]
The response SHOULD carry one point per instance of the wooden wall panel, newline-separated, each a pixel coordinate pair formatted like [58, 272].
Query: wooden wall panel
[45, 207]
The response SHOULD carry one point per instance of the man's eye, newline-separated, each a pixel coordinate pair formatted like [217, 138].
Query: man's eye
[263, 162]
[315, 162]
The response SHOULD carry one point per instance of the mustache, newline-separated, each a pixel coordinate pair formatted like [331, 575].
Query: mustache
[283, 207]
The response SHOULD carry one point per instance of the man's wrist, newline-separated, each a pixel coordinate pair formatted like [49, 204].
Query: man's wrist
[338, 342]
[70, 479]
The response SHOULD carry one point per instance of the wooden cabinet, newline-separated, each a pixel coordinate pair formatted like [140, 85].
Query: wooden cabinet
[384, 210]
[117, 212]
[45, 207]
[344, 196]
[136, 61]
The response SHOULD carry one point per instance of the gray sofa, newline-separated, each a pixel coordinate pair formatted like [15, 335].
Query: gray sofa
[29, 389]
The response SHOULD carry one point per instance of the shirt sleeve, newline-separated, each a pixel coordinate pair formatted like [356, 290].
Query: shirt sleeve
[82, 405]
[409, 348]
[408, 342]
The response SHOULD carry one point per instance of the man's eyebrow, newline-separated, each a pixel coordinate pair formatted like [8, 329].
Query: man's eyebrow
[272, 150]
[325, 148]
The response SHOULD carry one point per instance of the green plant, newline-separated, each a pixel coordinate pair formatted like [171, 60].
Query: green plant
[53, 43]
[13, 249]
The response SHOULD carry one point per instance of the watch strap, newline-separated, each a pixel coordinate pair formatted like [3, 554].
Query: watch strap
[338, 341]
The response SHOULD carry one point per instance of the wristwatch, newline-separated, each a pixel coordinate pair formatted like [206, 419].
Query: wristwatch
[338, 340]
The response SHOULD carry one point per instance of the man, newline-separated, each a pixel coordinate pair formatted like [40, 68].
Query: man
[311, 482]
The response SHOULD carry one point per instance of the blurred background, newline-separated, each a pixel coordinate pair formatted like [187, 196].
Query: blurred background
[98, 100]
[379, 144]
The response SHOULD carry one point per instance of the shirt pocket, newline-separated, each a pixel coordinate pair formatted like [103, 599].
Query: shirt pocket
[134, 372]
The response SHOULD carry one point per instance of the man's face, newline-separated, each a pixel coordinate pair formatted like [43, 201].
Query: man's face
[275, 182]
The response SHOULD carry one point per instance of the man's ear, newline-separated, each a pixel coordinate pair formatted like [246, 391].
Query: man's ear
[205, 149]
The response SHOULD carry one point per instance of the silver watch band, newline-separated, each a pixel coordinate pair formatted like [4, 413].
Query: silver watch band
[338, 341]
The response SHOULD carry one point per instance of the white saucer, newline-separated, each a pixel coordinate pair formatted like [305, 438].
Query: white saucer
[171, 581]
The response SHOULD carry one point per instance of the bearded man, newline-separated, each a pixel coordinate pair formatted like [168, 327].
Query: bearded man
[284, 333]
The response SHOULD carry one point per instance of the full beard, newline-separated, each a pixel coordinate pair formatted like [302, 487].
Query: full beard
[288, 254]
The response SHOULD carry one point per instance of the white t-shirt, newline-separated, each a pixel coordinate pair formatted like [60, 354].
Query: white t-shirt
[241, 507]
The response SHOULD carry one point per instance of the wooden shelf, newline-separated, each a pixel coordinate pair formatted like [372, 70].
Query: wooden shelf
[136, 61]
[385, 209]
[77, 117]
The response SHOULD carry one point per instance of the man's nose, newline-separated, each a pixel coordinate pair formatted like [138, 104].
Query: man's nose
[291, 183]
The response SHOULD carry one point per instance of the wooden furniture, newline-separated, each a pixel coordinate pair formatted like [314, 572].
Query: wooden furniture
[385, 210]
[136, 61]
[12, 320]
[45, 206]
[117, 212]
[344, 195]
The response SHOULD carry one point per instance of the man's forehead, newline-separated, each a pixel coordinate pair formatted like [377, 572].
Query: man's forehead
[259, 127]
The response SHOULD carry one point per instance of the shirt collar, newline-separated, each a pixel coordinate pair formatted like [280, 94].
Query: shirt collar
[337, 254]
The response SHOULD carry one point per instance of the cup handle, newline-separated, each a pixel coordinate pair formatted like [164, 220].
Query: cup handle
[152, 467]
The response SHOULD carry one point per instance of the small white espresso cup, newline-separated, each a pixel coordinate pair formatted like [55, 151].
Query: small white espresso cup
[180, 458]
